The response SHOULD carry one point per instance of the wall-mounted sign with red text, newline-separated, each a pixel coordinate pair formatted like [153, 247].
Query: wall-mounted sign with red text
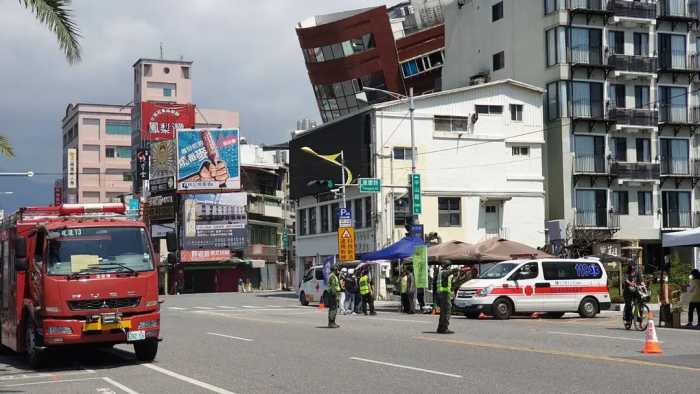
[194, 256]
[160, 120]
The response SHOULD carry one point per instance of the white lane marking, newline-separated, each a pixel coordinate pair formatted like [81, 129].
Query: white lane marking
[119, 386]
[407, 367]
[401, 320]
[205, 308]
[176, 308]
[594, 336]
[230, 336]
[227, 307]
[187, 379]
[44, 375]
[48, 382]
[249, 306]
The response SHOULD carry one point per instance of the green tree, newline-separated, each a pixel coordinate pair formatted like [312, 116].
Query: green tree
[5, 147]
[56, 15]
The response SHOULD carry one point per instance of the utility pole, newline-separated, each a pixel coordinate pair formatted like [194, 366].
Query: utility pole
[411, 110]
[342, 176]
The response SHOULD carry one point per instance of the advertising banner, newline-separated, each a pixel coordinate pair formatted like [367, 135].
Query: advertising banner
[191, 256]
[142, 162]
[57, 193]
[208, 160]
[420, 266]
[163, 159]
[160, 120]
[72, 168]
[161, 208]
[215, 221]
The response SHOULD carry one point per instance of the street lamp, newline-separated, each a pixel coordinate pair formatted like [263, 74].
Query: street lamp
[411, 110]
[27, 174]
[334, 160]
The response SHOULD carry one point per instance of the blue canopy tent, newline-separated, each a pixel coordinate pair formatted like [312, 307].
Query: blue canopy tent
[399, 250]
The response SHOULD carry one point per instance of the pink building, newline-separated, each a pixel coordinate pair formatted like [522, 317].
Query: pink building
[96, 152]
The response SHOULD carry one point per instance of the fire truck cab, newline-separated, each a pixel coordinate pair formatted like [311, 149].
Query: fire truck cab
[77, 274]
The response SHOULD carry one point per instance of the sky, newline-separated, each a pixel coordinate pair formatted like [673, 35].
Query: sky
[246, 58]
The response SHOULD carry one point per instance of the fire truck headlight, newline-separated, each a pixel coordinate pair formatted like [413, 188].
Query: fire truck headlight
[151, 303]
[148, 324]
[60, 330]
[485, 291]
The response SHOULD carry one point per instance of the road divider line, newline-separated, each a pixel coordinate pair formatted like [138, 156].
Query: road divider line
[176, 308]
[56, 374]
[188, 379]
[48, 382]
[406, 367]
[119, 386]
[230, 336]
[584, 356]
[204, 308]
[573, 334]
[229, 316]
[399, 320]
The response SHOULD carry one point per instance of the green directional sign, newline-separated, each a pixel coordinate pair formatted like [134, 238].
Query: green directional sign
[370, 185]
[416, 194]
[285, 239]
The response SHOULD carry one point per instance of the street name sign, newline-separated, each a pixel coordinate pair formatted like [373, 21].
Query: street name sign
[346, 244]
[370, 185]
[416, 194]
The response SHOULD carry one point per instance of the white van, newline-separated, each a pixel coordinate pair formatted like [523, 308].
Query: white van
[312, 287]
[552, 286]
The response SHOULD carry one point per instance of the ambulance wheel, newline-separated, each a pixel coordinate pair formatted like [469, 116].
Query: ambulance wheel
[302, 299]
[32, 344]
[588, 308]
[502, 309]
[146, 350]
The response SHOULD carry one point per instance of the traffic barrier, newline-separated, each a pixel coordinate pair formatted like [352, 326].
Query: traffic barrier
[651, 343]
[482, 316]
[321, 306]
[535, 315]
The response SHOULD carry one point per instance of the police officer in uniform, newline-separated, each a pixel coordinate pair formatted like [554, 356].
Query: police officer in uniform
[333, 294]
[444, 290]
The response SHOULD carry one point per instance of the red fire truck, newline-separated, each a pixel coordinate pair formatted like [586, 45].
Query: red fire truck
[77, 274]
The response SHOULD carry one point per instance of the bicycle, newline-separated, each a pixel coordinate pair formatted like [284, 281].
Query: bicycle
[640, 310]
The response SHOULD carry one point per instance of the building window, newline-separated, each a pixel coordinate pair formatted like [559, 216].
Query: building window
[489, 109]
[617, 95]
[301, 216]
[456, 124]
[345, 97]
[91, 122]
[643, 150]
[499, 60]
[402, 153]
[91, 148]
[339, 50]
[619, 148]
[147, 70]
[449, 213]
[118, 127]
[324, 219]
[620, 202]
[556, 45]
[641, 97]
[497, 12]
[521, 151]
[120, 152]
[312, 220]
[516, 112]
[167, 92]
[553, 5]
[641, 44]
[422, 64]
[127, 177]
[616, 42]
[644, 203]
[401, 211]
[357, 214]
[185, 72]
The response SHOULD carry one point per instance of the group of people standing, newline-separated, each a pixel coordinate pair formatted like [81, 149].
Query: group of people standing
[351, 293]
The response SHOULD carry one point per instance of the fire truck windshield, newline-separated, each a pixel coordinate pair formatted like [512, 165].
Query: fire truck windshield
[98, 249]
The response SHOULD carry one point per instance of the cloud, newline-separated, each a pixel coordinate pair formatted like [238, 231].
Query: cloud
[246, 58]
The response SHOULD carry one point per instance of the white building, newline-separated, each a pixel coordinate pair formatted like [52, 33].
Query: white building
[478, 151]
[622, 104]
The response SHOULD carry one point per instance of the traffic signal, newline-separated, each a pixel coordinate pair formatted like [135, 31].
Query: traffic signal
[321, 185]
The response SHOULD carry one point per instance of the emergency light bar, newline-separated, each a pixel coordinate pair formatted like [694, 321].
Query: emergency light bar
[81, 209]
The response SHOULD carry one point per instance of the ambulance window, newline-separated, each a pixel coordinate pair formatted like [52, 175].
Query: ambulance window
[528, 271]
[319, 274]
[308, 275]
[571, 270]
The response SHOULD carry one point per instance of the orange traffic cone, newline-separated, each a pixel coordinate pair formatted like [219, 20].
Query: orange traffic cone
[482, 316]
[321, 306]
[436, 311]
[651, 343]
[535, 315]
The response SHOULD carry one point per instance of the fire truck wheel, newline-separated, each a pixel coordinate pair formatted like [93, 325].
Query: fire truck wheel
[31, 343]
[146, 350]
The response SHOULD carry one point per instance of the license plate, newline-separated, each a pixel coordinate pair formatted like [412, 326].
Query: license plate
[139, 335]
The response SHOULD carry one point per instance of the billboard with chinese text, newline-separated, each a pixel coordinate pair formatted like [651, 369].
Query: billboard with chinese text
[215, 221]
[208, 160]
[160, 120]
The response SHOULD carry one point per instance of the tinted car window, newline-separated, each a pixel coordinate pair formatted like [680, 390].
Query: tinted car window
[319, 274]
[528, 271]
[570, 270]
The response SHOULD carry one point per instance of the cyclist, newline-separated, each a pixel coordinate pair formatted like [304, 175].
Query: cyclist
[630, 292]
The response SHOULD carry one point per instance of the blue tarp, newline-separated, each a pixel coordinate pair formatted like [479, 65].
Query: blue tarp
[399, 250]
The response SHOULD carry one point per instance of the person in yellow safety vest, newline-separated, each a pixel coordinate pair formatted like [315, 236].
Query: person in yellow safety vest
[333, 294]
[444, 290]
[403, 289]
[366, 293]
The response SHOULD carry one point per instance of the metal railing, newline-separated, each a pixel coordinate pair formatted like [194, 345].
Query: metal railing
[678, 115]
[631, 63]
[678, 61]
[597, 219]
[587, 5]
[633, 9]
[674, 219]
[502, 233]
[634, 116]
[635, 170]
[590, 164]
[678, 9]
[685, 167]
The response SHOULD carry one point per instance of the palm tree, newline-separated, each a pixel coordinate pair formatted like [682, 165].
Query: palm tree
[56, 15]
[5, 147]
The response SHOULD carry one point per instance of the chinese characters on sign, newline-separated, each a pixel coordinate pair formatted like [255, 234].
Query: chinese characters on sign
[416, 194]
[159, 121]
[370, 185]
[215, 221]
[189, 256]
[72, 164]
[57, 193]
[420, 266]
[346, 243]
[208, 159]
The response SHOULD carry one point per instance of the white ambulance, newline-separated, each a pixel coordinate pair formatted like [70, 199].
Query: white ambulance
[552, 286]
[313, 287]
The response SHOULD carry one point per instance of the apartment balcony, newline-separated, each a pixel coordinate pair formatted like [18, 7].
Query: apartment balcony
[679, 169]
[679, 64]
[678, 220]
[265, 208]
[590, 165]
[678, 116]
[633, 64]
[632, 9]
[635, 171]
[678, 11]
[598, 219]
[634, 117]
[501, 233]
[589, 8]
